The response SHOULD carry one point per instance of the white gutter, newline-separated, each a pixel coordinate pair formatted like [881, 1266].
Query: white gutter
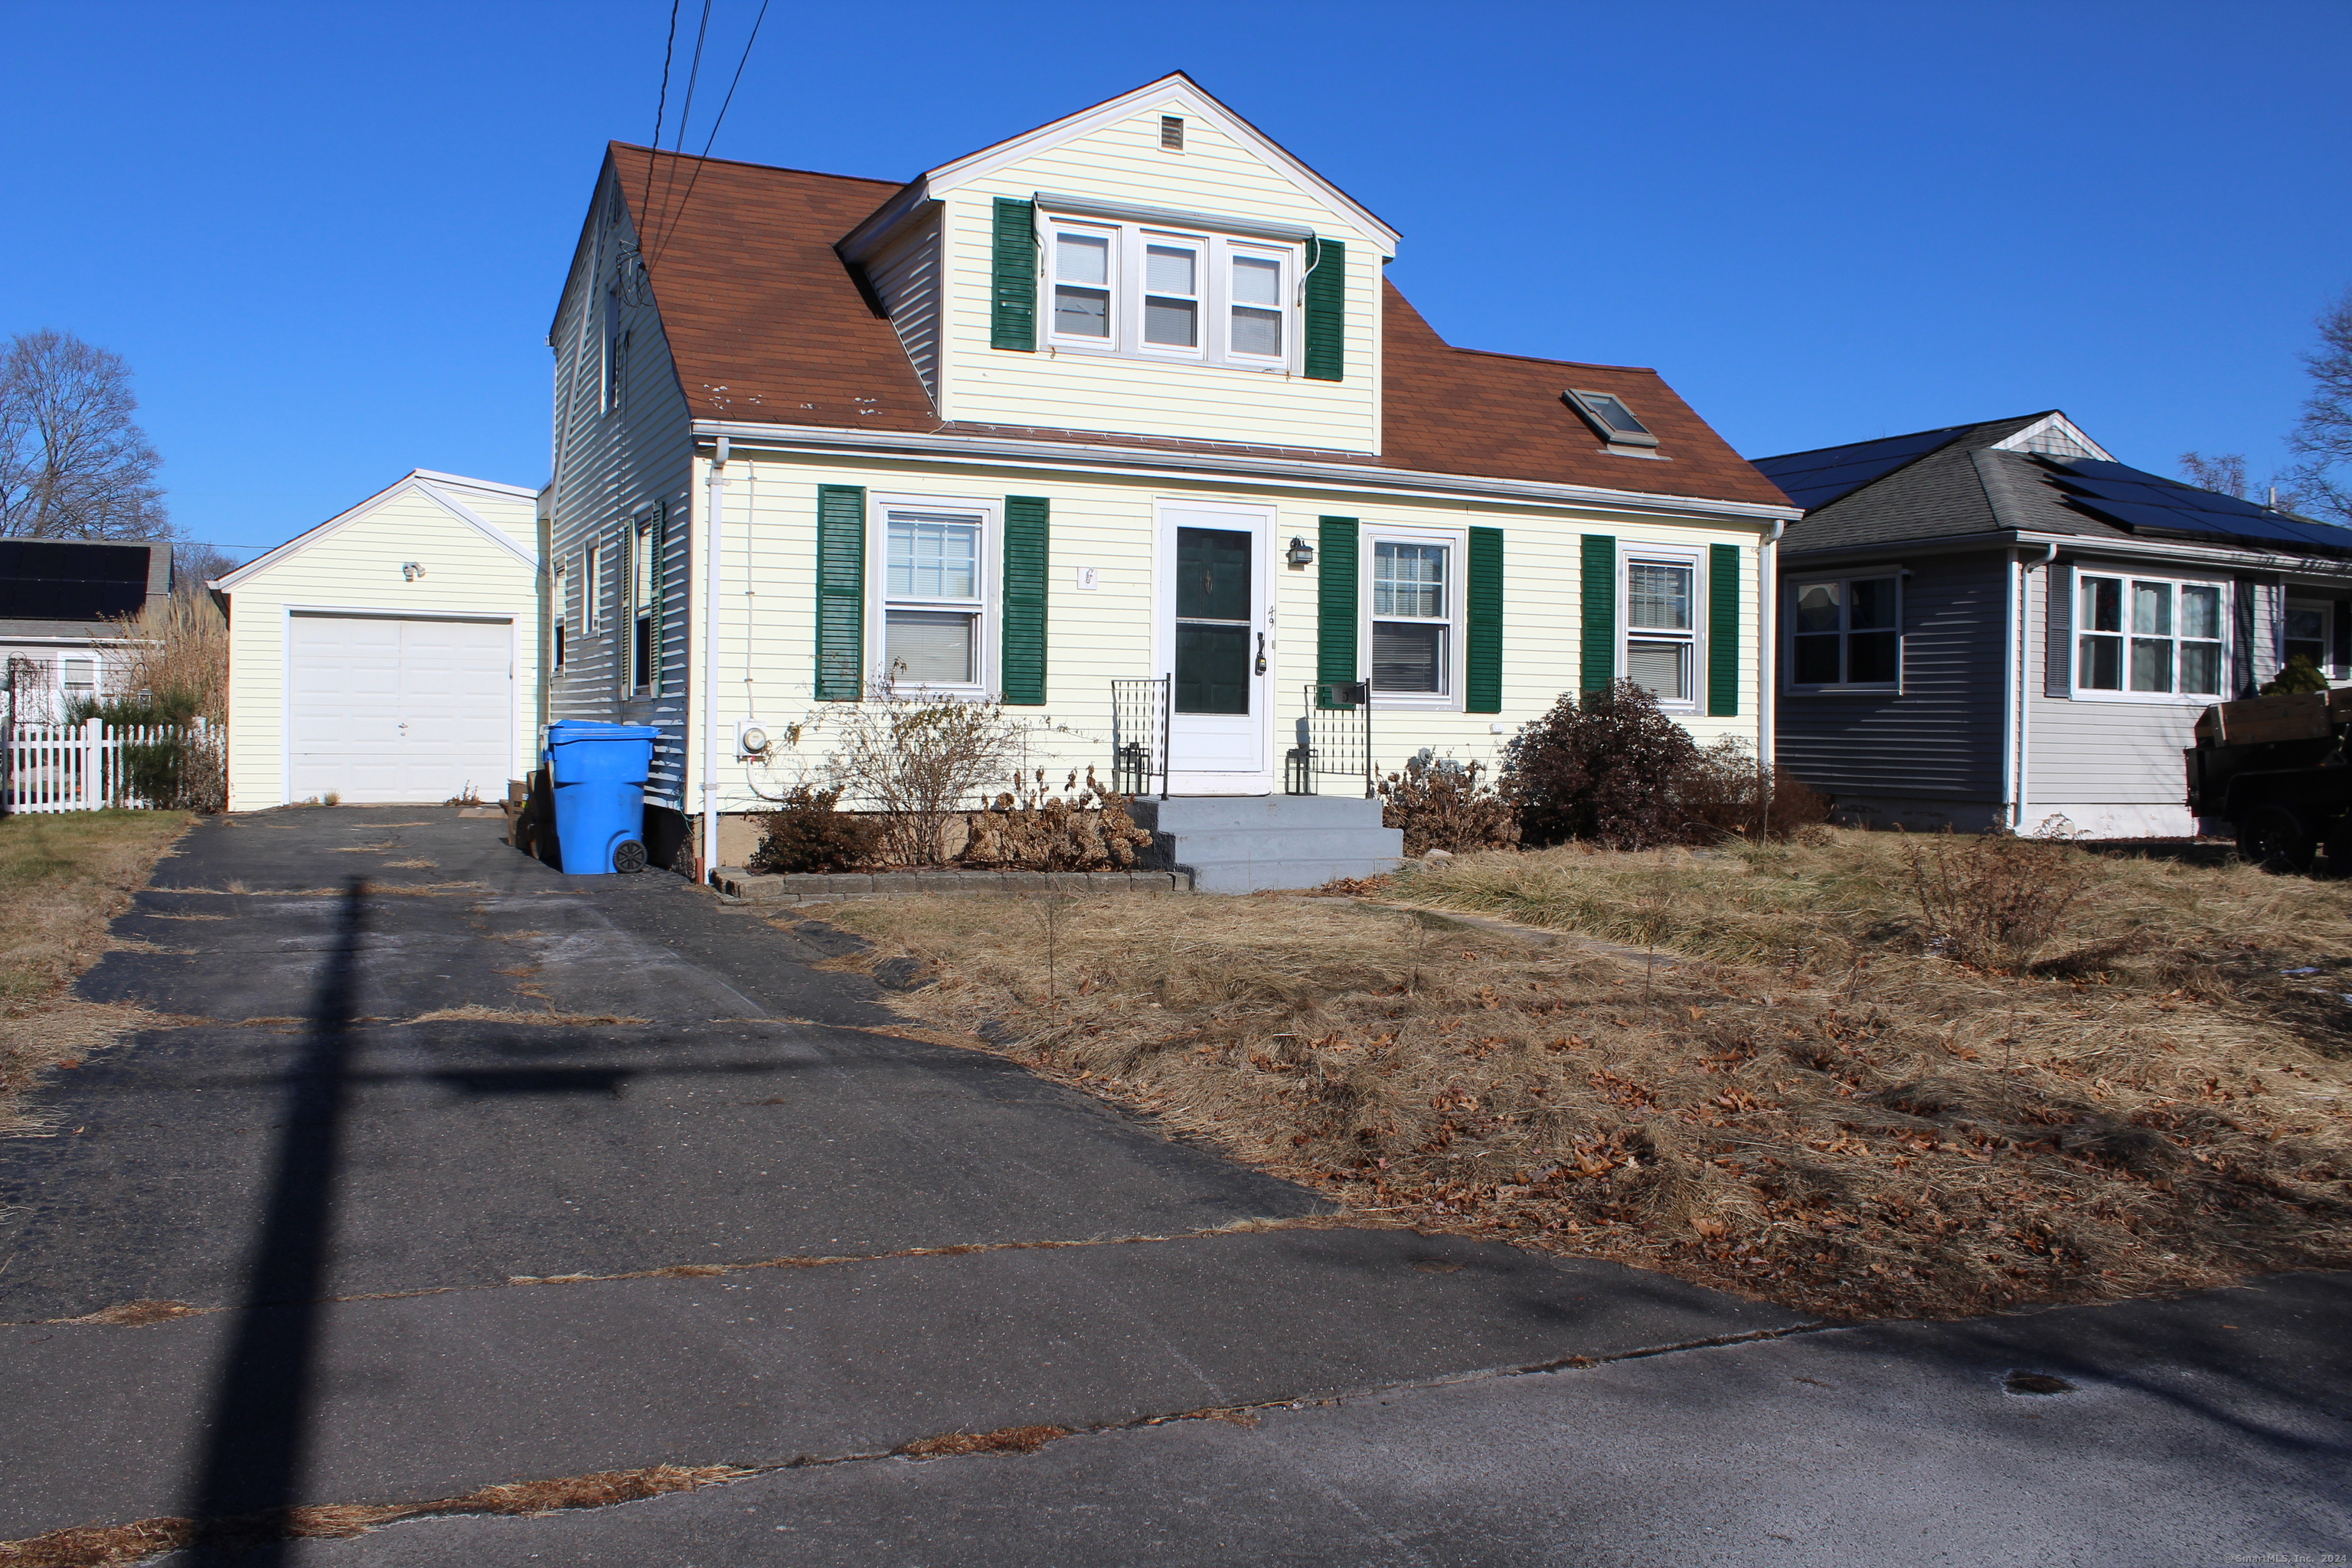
[1157, 463]
[707, 863]
[1767, 644]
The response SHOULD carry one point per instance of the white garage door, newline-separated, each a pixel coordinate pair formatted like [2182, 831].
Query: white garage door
[390, 710]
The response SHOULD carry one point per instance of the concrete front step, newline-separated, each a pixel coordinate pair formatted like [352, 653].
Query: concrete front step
[1246, 844]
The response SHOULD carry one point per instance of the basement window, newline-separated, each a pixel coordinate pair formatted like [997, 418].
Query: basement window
[1610, 419]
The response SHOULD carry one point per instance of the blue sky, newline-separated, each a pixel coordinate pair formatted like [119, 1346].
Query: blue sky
[327, 238]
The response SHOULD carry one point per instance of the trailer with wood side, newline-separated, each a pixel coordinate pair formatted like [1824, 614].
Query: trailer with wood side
[2277, 770]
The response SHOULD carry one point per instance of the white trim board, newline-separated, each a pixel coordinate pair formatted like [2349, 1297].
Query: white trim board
[412, 481]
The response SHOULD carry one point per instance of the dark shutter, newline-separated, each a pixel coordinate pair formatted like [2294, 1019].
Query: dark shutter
[658, 597]
[2339, 643]
[840, 593]
[1012, 321]
[2242, 638]
[1326, 310]
[1481, 655]
[1336, 608]
[1599, 634]
[1723, 588]
[2058, 656]
[1025, 553]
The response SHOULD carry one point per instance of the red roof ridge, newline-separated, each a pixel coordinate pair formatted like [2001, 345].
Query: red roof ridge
[747, 164]
[1540, 359]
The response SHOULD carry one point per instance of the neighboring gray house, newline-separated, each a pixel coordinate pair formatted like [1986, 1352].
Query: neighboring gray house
[58, 603]
[1999, 625]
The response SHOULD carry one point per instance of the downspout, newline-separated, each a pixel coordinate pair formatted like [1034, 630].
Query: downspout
[1768, 674]
[2023, 755]
[707, 863]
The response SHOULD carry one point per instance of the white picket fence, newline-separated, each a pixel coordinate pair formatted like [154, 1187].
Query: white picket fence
[77, 767]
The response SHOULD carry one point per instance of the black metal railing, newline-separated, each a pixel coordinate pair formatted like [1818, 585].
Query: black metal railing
[1139, 735]
[1334, 738]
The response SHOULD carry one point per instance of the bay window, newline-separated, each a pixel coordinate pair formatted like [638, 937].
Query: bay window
[1413, 617]
[2146, 636]
[1662, 628]
[1138, 291]
[1847, 633]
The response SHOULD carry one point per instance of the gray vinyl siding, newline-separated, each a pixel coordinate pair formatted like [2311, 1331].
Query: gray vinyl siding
[906, 278]
[2097, 751]
[610, 465]
[1940, 739]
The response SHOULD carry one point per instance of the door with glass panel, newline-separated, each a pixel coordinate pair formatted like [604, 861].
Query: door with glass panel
[1216, 633]
[932, 600]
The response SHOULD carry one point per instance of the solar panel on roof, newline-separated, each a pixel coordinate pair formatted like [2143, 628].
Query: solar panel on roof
[2137, 500]
[1813, 479]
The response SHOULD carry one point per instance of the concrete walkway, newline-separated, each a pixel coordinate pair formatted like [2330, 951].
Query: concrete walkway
[395, 1240]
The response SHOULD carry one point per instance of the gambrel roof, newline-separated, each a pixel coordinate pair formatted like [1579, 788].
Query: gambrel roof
[767, 324]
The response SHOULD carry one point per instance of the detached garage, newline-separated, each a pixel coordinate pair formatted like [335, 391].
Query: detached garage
[391, 654]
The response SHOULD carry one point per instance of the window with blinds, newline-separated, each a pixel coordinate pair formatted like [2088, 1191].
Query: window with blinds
[932, 606]
[1662, 628]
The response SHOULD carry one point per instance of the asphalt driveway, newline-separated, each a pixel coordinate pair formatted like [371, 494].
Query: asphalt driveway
[456, 1172]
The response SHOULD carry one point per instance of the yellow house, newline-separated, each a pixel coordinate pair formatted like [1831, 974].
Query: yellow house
[1118, 422]
[391, 654]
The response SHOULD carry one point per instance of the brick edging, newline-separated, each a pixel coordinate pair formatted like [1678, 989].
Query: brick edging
[812, 887]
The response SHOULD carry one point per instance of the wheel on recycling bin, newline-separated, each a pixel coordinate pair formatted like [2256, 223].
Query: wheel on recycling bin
[628, 855]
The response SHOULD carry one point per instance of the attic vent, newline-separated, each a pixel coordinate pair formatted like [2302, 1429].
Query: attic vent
[2057, 442]
[1171, 133]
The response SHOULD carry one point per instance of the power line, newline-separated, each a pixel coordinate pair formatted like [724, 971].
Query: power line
[707, 142]
[661, 108]
[685, 114]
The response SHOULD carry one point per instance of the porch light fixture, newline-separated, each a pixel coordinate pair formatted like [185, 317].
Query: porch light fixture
[410, 571]
[1300, 552]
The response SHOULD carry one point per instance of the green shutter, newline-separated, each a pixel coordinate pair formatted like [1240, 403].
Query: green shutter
[1334, 600]
[655, 602]
[1599, 637]
[840, 593]
[1722, 631]
[1013, 322]
[1327, 311]
[1482, 656]
[1025, 552]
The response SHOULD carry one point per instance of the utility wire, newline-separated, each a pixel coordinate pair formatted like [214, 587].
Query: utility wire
[685, 114]
[661, 108]
[741, 61]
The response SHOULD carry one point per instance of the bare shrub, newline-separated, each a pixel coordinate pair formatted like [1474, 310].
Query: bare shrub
[1082, 827]
[1609, 769]
[1727, 791]
[920, 760]
[1995, 901]
[173, 657]
[1442, 805]
[807, 832]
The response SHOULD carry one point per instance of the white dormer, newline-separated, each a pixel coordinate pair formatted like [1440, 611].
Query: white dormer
[1151, 266]
[2055, 435]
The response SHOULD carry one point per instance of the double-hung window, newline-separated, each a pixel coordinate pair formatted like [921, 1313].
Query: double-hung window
[1846, 633]
[1142, 293]
[1416, 620]
[934, 597]
[2147, 637]
[2308, 634]
[591, 591]
[1662, 628]
[641, 586]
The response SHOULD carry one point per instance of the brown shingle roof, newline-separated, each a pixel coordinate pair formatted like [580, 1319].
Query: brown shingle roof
[769, 326]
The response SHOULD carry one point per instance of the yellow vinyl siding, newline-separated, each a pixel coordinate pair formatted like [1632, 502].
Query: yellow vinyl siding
[767, 629]
[1214, 175]
[357, 567]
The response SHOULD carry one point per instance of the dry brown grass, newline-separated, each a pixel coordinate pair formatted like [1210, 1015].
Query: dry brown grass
[474, 1013]
[1005, 1440]
[108, 1546]
[1820, 1111]
[62, 879]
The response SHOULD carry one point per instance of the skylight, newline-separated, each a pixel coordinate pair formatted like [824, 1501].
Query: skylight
[1609, 417]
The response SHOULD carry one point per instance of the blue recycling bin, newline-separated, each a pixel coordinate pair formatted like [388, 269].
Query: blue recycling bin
[598, 771]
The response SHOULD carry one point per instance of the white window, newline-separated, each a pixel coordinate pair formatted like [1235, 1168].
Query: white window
[591, 591]
[2147, 638]
[78, 679]
[640, 625]
[2309, 634]
[615, 348]
[934, 597]
[1846, 633]
[1662, 627]
[1415, 617]
[1143, 292]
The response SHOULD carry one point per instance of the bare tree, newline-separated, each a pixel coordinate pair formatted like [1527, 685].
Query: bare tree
[2322, 439]
[2225, 472]
[73, 463]
[193, 566]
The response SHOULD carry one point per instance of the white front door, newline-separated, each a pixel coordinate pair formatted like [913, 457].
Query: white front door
[398, 709]
[1216, 636]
